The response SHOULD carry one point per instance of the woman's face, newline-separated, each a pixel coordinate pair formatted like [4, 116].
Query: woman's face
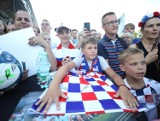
[151, 28]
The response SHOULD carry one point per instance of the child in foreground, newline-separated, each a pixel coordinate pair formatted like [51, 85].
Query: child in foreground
[89, 61]
[147, 90]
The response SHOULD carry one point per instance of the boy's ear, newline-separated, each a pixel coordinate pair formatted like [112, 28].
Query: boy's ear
[122, 67]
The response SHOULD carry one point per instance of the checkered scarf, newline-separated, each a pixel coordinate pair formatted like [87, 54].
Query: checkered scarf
[84, 67]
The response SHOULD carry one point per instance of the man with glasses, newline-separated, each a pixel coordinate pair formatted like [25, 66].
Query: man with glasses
[109, 47]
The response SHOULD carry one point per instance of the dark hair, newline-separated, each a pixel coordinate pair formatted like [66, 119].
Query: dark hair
[5, 27]
[74, 30]
[107, 14]
[37, 28]
[14, 17]
[93, 30]
[129, 25]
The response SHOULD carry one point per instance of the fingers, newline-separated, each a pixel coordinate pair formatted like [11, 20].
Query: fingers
[132, 106]
[132, 103]
[42, 103]
[63, 95]
[49, 103]
[66, 60]
[128, 99]
[57, 103]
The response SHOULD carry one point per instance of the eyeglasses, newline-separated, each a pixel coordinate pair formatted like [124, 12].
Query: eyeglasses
[112, 22]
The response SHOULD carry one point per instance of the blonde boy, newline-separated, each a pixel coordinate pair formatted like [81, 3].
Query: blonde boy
[47, 37]
[147, 90]
[89, 61]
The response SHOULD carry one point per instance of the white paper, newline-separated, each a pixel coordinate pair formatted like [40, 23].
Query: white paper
[16, 43]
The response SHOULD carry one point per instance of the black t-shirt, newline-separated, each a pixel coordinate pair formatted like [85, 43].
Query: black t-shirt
[153, 71]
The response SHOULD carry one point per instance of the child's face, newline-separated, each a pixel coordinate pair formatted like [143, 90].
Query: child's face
[134, 66]
[65, 36]
[90, 51]
[129, 29]
[47, 38]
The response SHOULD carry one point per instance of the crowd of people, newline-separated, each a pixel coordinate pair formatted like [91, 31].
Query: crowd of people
[132, 63]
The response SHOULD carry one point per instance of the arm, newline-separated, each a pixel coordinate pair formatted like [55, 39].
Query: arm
[37, 40]
[53, 93]
[51, 58]
[128, 99]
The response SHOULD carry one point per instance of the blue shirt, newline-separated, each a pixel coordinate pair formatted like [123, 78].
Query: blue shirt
[111, 51]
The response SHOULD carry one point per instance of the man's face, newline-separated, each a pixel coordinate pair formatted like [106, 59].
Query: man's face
[110, 24]
[45, 26]
[74, 34]
[22, 20]
[64, 35]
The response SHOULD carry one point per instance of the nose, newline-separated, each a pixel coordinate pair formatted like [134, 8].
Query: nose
[140, 66]
[23, 21]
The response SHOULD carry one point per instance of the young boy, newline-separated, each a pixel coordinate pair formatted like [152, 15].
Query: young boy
[47, 37]
[147, 90]
[65, 51]
[89, 61]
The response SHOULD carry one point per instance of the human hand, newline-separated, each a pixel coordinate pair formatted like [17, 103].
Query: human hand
[66, 60]
[52, 95]
[128, 99]
[152, 56]
[85, 32]
[37, 40]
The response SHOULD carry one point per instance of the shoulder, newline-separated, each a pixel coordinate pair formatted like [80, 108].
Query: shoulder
[100, 57]
[132, 46]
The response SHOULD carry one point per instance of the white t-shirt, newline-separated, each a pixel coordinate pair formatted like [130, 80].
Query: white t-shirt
[104, 65]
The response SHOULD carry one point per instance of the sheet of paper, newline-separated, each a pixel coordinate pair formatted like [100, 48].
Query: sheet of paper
[16, 43]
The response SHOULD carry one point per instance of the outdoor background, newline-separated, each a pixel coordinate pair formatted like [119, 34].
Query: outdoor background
[73, 13]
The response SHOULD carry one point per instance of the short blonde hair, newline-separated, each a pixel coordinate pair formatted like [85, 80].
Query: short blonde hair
[128, 34]
[88, 39]
[127, 53]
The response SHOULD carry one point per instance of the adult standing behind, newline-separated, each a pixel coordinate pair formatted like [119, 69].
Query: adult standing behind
[74, 34]
[110, 45]
[130, 27]
[150, 25]
[46, 27]
[10, 99]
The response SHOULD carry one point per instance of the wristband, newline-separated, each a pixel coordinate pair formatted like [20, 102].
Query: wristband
[122, 85]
